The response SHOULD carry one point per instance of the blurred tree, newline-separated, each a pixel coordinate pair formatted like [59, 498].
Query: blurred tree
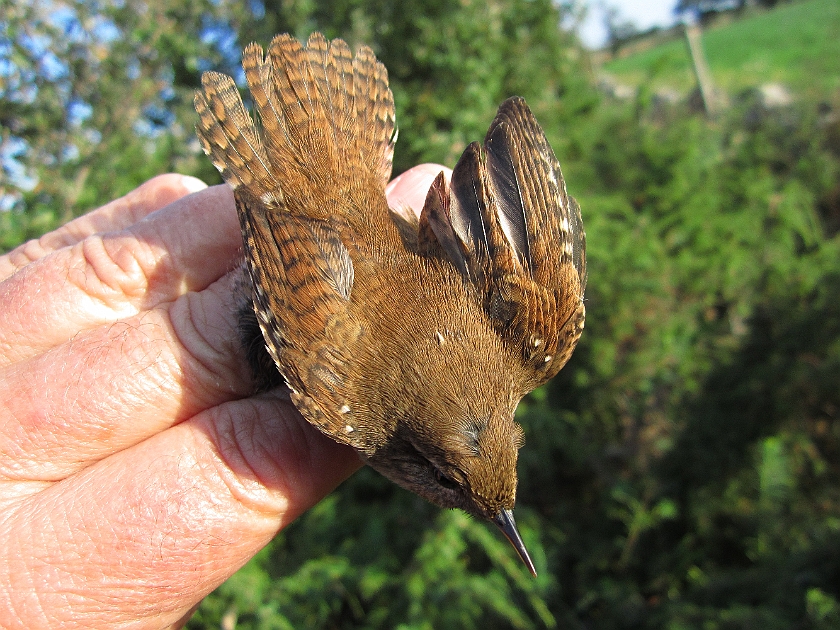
[97, 96]
[95, 100]
[699, 425]
[619, 29]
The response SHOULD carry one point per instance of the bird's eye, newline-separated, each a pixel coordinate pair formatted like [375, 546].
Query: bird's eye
[445, 481]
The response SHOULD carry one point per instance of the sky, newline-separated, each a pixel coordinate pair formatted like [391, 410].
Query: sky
[643, 13]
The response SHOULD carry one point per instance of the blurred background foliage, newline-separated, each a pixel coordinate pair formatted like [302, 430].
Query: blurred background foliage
[683, 471]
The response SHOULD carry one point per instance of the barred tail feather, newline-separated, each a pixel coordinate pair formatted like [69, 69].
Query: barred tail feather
[227, 134]
[375, 108]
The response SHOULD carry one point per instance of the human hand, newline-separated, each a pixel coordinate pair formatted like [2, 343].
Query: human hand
[136, 471]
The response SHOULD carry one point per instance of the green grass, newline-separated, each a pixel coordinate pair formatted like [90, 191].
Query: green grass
[795, 44]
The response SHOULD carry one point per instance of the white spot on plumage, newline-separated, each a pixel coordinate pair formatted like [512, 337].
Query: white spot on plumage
[267, 198]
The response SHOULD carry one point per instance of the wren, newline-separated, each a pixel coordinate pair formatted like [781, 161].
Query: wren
[411, 340]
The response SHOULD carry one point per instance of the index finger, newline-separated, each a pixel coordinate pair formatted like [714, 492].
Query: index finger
[118, 214]
[113, 276]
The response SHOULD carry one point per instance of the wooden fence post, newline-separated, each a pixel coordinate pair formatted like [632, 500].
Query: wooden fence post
[701, 68]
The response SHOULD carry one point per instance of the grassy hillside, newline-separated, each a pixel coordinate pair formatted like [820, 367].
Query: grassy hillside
[795, 44]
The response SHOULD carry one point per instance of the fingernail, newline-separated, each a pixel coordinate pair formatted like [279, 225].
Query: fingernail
[193, 184]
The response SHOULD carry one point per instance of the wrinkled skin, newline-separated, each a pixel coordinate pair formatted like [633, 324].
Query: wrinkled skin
[137, 472]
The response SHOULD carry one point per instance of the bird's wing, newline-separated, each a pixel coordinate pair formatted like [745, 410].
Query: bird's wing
[325, 120]
[507, 223]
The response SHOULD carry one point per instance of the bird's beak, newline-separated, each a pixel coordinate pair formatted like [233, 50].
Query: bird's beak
[504, 520]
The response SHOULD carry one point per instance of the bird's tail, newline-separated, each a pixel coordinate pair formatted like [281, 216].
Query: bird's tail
[322, 116]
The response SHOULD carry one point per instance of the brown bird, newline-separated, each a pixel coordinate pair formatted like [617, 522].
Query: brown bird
[411, 341]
